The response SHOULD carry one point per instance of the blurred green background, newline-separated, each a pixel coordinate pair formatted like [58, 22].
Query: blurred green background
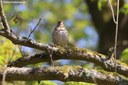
[89, 23]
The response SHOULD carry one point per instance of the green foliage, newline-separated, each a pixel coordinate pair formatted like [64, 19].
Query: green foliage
[50, 11]
[124, 9]
[8, 52]
[47, 83]
[41, 83]
[124, 56]
[101, 4]
[77, 83]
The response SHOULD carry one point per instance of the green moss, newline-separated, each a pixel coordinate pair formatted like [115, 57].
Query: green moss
[68, 68]
[77, 83]
[110, 73]
[120, 63]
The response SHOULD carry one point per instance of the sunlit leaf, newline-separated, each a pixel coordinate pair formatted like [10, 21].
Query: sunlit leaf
[124, 56]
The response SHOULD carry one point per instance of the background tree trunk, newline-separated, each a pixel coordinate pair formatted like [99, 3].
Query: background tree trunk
[106, 29]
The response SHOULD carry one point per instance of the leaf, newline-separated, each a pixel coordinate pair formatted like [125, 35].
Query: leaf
[8, 52]
[124, 56]
[47, 83]
[101, 4]
[124, 9]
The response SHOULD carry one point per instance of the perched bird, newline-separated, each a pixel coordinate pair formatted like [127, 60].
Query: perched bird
[60, 35]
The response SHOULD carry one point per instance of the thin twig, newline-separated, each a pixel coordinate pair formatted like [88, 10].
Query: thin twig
[29, 36]
[7, 28]
[116, 22]
[34, 28]
[113, 15]
[3, 18]
[116, 33]
[4, 75]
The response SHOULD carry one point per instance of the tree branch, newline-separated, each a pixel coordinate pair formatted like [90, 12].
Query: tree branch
[65, 73]
[61, 53]
[3, 18]
[75, 54]
[25, 41]
[5, 32]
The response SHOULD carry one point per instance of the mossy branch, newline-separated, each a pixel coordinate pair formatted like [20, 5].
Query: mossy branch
[64, 73]
[75, 54]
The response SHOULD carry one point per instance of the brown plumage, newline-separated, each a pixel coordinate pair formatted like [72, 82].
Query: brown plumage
[60, 35]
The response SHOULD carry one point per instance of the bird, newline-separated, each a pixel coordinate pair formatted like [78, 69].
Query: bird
[60, 35]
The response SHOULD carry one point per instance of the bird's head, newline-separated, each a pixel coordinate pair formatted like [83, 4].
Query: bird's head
[60, 25]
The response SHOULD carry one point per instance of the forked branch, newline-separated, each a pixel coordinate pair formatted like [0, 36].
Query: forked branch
[3, 18]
